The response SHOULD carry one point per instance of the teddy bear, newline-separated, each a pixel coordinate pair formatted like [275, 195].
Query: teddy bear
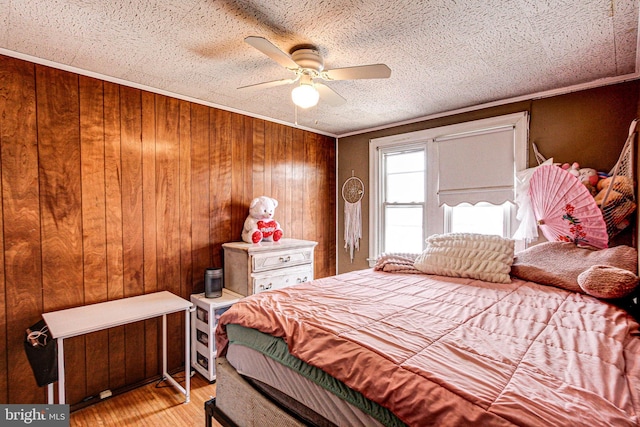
[621, 190]
[621, 184]
[260, 225]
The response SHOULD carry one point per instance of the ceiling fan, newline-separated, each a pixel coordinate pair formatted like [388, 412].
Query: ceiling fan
[308, 66]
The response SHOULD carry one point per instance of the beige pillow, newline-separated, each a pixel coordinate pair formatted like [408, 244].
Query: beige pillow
[560, 263]
[603, 281]
[475, 256]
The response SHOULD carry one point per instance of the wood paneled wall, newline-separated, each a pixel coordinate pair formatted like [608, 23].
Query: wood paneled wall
[109, 191]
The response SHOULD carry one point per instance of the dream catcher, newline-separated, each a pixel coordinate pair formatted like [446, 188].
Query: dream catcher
[352, 192]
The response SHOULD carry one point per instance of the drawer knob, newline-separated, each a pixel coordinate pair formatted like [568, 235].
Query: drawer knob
[266, 287]
[304, 279]
[287, 259]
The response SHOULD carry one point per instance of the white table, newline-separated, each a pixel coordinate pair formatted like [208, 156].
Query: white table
[95, 317]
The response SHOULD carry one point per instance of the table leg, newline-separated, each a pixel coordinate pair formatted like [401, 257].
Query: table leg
[50, 394]
[187, 360]
[165, 374]
[61, 394]
[164, 345]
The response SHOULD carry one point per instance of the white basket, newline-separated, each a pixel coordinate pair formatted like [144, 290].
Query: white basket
[619, 201]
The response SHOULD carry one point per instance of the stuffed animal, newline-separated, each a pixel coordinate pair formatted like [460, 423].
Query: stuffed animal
[619, 204]
[589, 177]
[572, 168]
[621, 189]
[260, 225]
[621, 184]
[614, 197]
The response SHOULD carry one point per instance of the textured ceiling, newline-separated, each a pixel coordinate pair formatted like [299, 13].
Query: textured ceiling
[444, 55]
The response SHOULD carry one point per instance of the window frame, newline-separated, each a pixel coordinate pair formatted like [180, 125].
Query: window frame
[434, 215]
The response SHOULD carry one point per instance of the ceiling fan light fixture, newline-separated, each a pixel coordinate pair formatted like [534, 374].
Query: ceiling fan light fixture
[305, 95]
[307, 64]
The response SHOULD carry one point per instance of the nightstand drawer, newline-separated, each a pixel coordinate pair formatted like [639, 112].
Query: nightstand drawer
[278, 280]
[282, 259]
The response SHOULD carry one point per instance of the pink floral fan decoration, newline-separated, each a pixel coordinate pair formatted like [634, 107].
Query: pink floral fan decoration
[565, 210]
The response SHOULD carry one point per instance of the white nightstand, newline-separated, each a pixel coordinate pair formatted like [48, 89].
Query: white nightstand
[251, 269]
[203, 328]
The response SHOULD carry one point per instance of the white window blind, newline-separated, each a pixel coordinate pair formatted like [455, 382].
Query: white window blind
[476, 167]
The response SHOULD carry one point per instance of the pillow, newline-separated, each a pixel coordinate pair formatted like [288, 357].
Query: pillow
[560, 263]
[603, 281]
[475, 256]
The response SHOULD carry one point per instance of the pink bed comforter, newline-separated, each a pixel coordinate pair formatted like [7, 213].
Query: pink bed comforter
[446, 351]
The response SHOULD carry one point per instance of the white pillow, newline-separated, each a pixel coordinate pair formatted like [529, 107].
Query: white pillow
[475, 256]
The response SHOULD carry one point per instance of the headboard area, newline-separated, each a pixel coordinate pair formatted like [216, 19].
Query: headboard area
[607, 226]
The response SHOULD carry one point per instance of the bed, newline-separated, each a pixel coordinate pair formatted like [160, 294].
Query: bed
[395, 346]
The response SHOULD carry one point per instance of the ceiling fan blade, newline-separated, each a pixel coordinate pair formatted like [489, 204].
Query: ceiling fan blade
[272, 51]
[374, 71]
[329, 96]
[265, 85]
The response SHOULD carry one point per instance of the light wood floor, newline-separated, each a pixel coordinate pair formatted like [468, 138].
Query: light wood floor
[149, 406]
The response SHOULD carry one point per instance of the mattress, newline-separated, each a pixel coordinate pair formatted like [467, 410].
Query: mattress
[451, 351]
[254, 365]
[265, 359]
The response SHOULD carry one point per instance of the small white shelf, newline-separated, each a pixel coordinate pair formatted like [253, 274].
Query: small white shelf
[203, 329]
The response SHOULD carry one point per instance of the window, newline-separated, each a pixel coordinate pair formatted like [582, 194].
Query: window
[457, 178]
[403, 198]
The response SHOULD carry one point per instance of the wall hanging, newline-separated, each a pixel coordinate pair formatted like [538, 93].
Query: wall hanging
[352, 193]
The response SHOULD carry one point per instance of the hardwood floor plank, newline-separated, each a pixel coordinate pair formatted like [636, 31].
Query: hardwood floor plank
[153, 405]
